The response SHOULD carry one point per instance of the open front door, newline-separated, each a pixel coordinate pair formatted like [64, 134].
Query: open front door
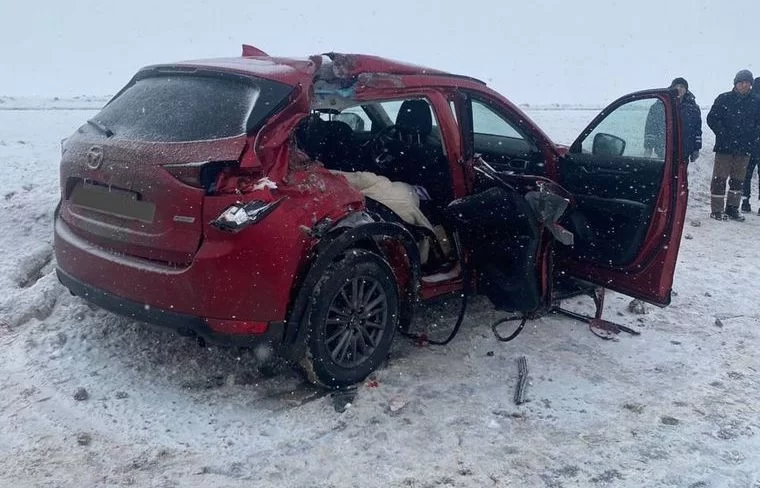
[626, 175]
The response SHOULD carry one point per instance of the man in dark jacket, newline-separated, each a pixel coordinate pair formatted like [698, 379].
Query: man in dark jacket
[691, 120]
[734, 118]
[754, 159]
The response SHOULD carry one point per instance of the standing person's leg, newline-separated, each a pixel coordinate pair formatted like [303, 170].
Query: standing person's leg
[721, 170]
[755, 161]
[738, 170]
[747, 187]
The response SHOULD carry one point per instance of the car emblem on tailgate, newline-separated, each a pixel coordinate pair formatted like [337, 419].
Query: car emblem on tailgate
[94, 157]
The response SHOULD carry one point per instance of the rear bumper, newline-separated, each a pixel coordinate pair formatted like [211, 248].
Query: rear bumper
[216, 297]
[229, 278]
[181, 323]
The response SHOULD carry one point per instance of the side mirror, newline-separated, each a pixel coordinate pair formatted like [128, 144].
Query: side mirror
[353, 120]
[607, 145]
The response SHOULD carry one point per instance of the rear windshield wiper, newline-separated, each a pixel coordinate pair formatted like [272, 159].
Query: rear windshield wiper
[102, 128]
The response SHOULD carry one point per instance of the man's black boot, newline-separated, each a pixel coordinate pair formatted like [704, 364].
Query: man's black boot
[734, 214]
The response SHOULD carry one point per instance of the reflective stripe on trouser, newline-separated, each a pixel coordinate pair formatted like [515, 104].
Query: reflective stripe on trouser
[733, 169]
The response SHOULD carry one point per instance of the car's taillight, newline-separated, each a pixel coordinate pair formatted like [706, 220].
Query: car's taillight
[241, 215]
[200, 175]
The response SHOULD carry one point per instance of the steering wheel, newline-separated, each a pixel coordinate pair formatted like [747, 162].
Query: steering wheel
[378, 146]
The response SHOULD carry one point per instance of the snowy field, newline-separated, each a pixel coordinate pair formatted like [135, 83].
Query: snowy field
[90, 399]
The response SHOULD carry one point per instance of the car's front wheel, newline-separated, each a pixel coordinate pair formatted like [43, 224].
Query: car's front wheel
[354, 315]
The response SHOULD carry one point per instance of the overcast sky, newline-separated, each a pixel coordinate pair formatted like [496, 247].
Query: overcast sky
[534, 51]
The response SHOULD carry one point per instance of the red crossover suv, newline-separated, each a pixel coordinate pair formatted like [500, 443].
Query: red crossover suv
[312, 204]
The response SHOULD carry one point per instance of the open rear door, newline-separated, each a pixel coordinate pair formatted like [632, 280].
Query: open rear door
[507, 225]
[628, 181]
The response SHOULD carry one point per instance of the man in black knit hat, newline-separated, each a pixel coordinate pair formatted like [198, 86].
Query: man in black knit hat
[754, 159]
[691, 119]
[735, 120]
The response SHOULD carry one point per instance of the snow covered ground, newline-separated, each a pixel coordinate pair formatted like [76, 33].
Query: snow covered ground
[92, 399]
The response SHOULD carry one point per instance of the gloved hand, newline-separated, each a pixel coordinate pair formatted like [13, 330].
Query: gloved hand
[694, 156]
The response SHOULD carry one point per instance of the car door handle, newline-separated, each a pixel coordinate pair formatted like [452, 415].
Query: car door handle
[611, 172]
[521, 164]
[602, 171]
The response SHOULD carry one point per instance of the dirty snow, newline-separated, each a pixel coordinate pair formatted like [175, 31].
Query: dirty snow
[90, 399]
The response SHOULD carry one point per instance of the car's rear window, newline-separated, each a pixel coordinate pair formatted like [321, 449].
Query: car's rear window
[181, 107]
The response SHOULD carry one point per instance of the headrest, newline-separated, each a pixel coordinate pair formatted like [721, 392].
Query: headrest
[414, 116]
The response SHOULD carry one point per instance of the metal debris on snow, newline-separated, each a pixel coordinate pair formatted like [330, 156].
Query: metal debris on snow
[638, 307]
[522, 379]
[81, 394]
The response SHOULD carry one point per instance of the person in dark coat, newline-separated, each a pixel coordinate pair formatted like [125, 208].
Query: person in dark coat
[735, 120]
[754, 159]
[691, 123]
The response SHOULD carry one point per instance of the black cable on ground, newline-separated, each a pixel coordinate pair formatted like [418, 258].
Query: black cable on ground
[463, 307]
[495, 328]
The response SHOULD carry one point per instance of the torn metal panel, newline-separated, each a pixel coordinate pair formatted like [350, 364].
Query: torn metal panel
[548, 207]
[379, 80]
[350, 65]
[249, 50]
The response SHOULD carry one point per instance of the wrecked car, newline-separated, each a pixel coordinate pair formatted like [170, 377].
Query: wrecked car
[311, 205]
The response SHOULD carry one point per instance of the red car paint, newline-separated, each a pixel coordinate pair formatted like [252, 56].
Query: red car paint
[238, 283]
[261, 265]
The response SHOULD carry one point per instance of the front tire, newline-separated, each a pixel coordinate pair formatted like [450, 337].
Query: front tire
[353, 318]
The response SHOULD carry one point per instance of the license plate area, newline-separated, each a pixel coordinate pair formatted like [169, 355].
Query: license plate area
[112, 201]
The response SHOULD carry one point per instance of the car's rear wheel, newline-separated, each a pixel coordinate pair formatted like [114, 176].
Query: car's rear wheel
[353, 318]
